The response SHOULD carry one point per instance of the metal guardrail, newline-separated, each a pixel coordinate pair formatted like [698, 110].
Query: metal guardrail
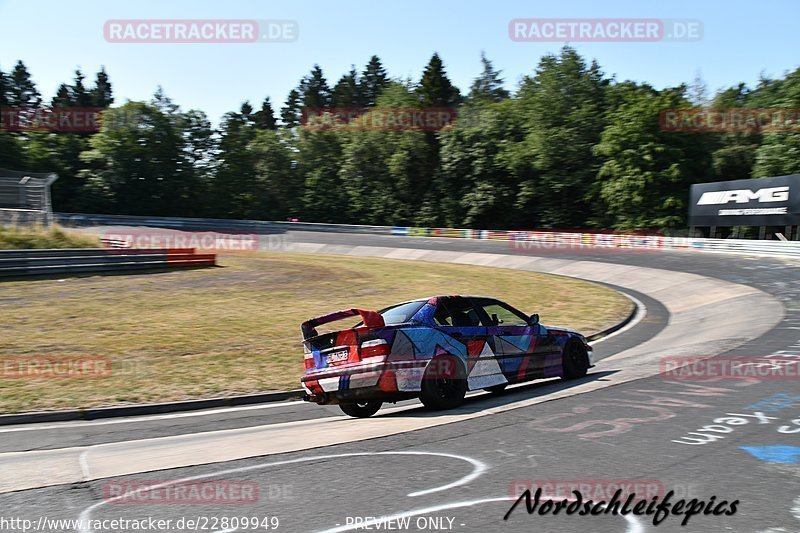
[212, 224]
[15, 263]
[518, 240]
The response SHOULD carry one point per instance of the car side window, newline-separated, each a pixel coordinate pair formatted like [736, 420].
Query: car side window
[457, 312]
[501, 315]
[442, 316]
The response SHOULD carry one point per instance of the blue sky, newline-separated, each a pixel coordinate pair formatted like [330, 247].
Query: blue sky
[741, 41]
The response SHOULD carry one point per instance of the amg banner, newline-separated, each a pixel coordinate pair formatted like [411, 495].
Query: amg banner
[753, 202]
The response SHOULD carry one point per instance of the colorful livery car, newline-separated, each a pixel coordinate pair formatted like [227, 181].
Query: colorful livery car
[435, 349]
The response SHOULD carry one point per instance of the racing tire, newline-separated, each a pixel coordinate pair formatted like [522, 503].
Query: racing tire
[444, 383]
[575, 361]
[360, 410]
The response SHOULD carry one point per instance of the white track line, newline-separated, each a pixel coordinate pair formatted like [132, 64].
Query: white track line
[148, 418]
[478, 469]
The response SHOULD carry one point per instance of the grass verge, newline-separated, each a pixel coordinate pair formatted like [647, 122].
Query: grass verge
[56, 237]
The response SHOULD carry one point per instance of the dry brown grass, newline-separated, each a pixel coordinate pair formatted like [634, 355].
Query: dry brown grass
[55, 237]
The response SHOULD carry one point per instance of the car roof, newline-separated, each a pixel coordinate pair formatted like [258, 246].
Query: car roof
[428, 298]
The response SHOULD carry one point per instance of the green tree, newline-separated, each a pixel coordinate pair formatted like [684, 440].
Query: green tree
[246, 112]
[139, 163]
[733, 154]
[290, 113]
[314, 91]
[318, 157]
[11, 149]
[278, 186]
[645, 178]
[63, 97]
[234, 191]
[779, 154]
[563, 106]
[435, 88]
[373, 80]
[5, 89]
[11, 153]
[488, 87]
[346, 93]
[22, 90]
[102, 94]
[60, 153]
[264, 118]
[198, 158]
[477, 184]
[81, 97]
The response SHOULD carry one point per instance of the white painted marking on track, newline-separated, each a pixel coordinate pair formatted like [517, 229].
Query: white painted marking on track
[148, 418]
[478, 469]
[84, 465]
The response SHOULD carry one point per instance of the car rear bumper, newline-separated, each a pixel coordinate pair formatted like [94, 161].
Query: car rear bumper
[358, 395]
[378, 380]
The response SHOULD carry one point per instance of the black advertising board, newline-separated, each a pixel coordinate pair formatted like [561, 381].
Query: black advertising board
[754, 202]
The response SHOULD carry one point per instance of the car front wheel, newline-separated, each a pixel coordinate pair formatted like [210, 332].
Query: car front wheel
[575, 360]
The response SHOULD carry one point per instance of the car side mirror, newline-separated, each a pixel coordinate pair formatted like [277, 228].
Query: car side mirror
[535, 318]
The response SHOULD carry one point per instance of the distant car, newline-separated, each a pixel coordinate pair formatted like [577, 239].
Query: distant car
[435, 349]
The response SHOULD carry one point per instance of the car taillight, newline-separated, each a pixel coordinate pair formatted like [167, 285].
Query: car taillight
[308, 357]
[373, 348]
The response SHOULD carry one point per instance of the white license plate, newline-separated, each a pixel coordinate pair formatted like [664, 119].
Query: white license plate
[338, 357]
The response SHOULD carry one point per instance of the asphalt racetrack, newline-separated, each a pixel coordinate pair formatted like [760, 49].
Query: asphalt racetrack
[409, 469]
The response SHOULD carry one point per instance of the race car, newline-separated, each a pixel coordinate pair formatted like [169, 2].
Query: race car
[434, 349]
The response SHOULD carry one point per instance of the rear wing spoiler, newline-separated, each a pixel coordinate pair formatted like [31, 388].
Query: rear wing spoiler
[371, 319]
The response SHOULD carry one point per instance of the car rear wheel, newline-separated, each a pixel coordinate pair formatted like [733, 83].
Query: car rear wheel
[444, 384]
[575, 361]
[360, 409]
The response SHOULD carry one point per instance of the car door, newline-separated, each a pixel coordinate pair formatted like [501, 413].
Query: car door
[460, 321]
[525, 349]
